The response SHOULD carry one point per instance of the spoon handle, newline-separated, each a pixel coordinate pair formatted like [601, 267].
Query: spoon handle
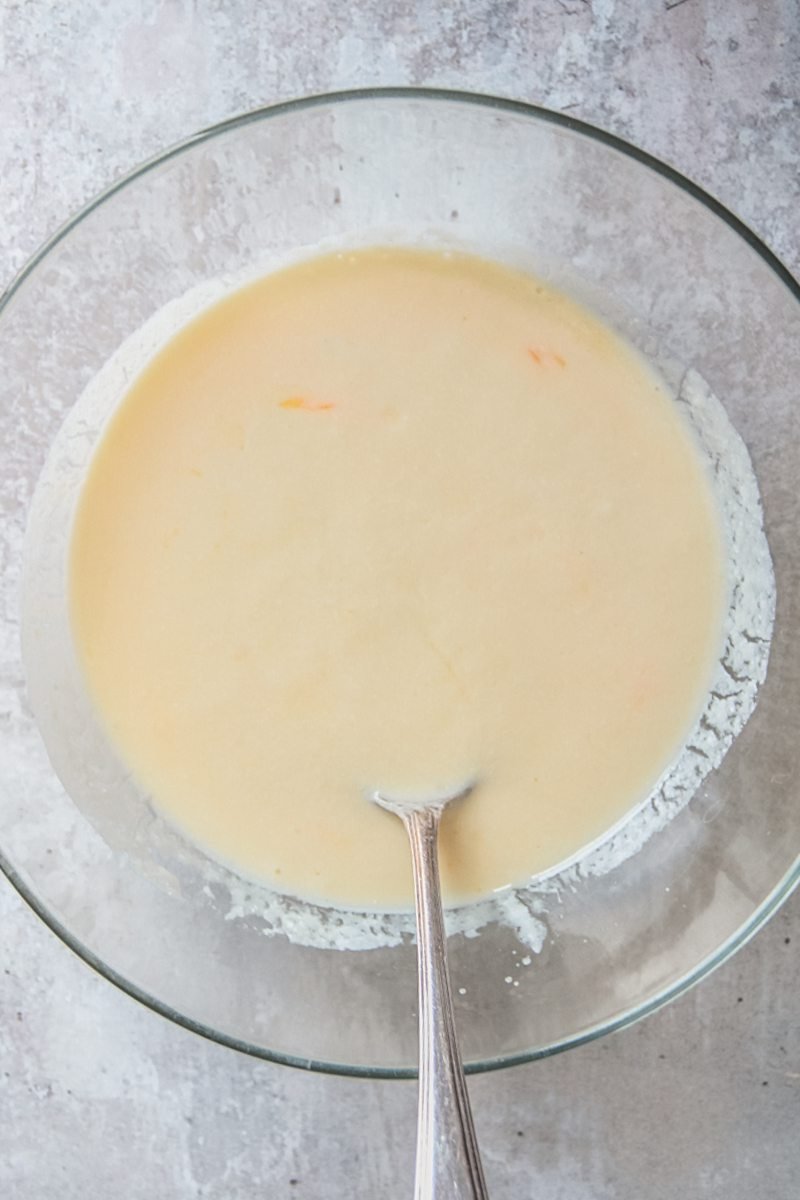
[448, 1161]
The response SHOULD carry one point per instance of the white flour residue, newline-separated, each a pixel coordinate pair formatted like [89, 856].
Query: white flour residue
[327, 928]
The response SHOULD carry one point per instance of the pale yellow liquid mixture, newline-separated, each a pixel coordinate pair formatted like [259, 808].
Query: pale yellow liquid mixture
[396, 520]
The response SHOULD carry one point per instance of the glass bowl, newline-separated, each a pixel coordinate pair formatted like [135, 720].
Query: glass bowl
[681, 278]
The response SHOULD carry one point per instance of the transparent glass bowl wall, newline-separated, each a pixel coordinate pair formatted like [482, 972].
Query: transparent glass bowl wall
[685, 283]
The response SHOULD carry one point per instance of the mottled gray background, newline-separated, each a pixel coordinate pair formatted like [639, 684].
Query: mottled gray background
[99, 1097]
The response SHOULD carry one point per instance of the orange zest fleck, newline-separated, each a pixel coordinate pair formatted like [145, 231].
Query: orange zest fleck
[300, 402]
[546, 358]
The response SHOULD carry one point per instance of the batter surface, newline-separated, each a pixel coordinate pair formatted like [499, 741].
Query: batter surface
[396, 519]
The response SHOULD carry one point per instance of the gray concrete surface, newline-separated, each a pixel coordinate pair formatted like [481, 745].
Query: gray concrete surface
[99, 1098]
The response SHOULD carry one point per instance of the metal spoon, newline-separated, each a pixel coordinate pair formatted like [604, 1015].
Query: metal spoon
[448, 1160]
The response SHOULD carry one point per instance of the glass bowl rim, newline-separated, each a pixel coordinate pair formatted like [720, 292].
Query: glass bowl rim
[501, 105]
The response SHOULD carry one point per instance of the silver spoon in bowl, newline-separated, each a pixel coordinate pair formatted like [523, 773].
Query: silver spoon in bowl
[448, 1160]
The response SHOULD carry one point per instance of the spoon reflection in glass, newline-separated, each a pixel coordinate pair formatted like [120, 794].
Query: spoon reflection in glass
[448, 1160]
